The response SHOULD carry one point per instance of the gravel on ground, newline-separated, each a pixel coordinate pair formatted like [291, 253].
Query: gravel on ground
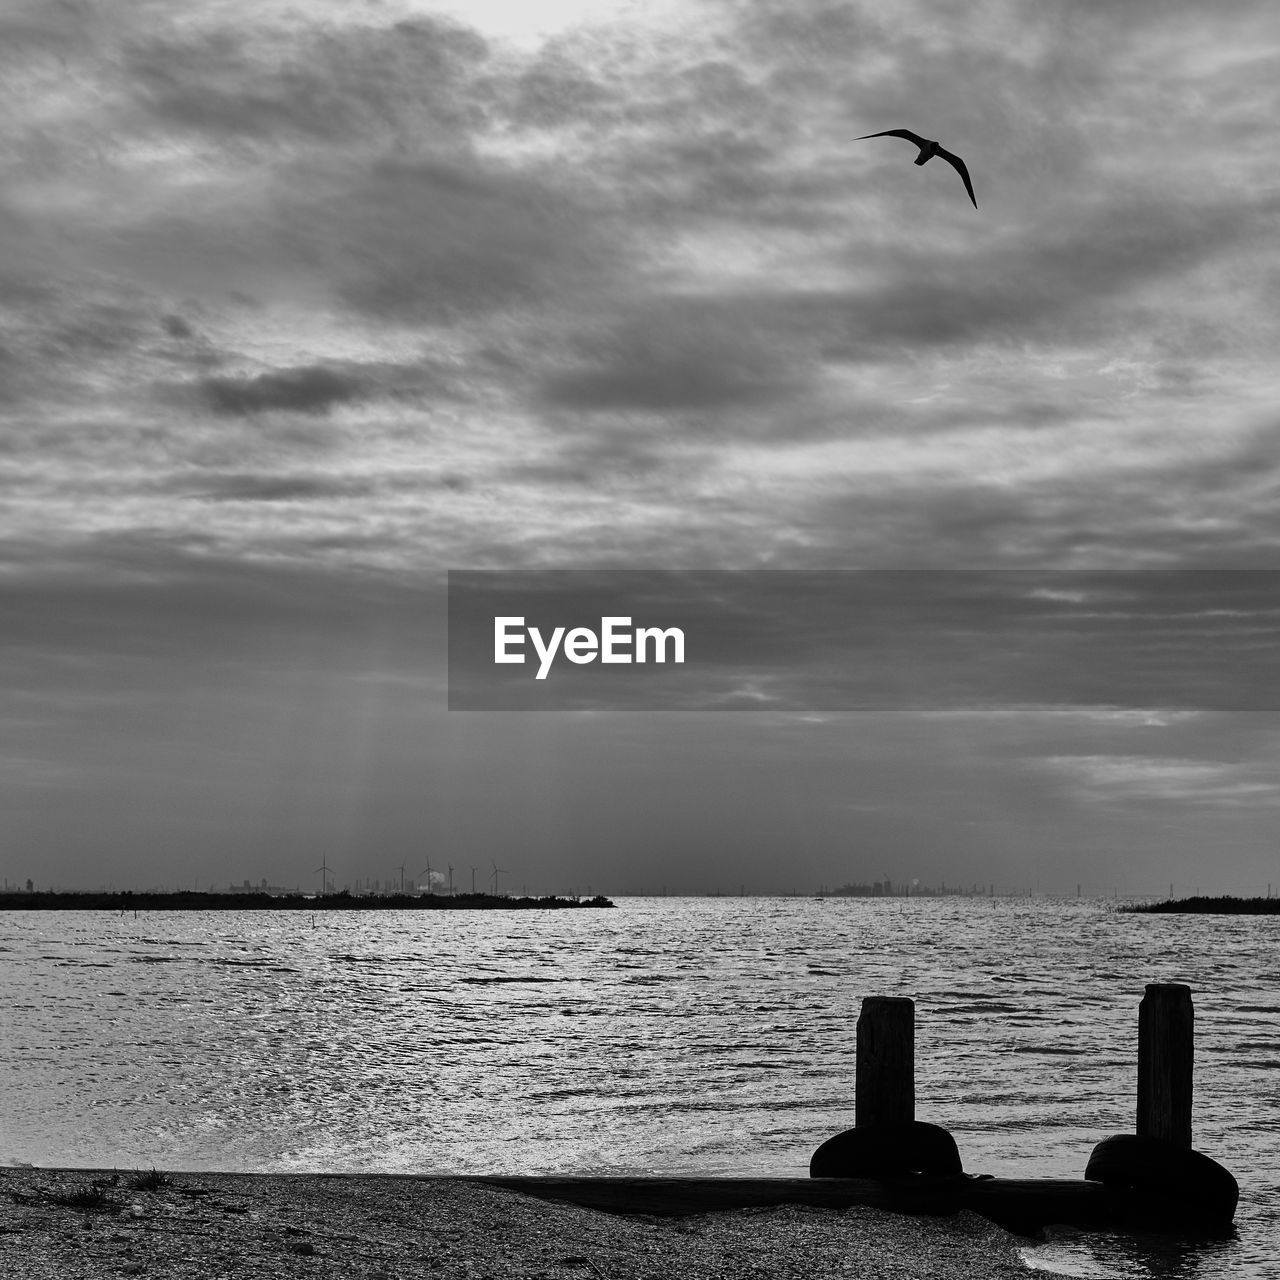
[89, 1225]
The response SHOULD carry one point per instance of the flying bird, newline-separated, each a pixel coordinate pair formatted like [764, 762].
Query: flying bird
[929, 149]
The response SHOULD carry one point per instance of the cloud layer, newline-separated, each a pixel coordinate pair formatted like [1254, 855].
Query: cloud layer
[662, 244]
[371, 293]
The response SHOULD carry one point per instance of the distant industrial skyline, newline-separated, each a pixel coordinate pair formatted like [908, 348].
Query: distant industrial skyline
[887, 889]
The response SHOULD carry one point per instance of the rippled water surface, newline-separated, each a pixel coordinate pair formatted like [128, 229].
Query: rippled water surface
[699, 1036]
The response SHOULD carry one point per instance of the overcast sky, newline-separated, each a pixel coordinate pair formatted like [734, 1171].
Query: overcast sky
[300, 309]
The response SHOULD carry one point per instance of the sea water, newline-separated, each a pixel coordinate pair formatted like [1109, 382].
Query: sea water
[668, 1036]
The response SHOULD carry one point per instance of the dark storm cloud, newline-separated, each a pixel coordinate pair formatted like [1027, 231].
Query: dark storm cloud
[305, 487]
[265, 488]
[1210, 506]
[315, 389]
[283, 84]
[743, 127]
[79, 348]
[676, 357]
[1073, 278]
[1222, 510]
[586, 457]
[91, 327]
[413, 240]
[703, 142]
[337, 163]
[433, 230]
[1056, 282]
[1160, 515]
[308, 389]
[58, 27]
[447, 239]
[556, 90]
[138, 597]
[751, 348]
[55, 321]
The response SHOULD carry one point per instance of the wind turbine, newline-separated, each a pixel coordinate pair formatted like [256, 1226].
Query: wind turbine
[497, 871]
[429, 888]
[402, 879]
[323, 868]
[451, 879]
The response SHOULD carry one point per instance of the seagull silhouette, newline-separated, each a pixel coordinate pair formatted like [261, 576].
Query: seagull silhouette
[929, 149]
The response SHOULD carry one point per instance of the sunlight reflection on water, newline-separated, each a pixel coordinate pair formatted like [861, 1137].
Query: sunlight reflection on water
[698, 1036]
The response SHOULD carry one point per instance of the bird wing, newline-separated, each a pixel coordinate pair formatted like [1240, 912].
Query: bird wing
[958, 164]
[897, 133]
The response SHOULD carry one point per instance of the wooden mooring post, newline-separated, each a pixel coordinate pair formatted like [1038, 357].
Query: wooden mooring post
[1159, 1176]
[884, 1083]
[1149, 1180]
[1166, 1051]
[886, 1139]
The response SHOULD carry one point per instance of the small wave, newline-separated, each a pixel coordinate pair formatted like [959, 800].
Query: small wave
[1057, 1260]
[1052, 1048]
[390, 961]
[243, 964]
[508, 978]
[1258, 1008]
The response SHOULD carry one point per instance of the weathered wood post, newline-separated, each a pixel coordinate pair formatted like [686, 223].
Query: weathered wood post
[886, 1141]
[1166, 1049]
[884, 1064]
[1155, 1173]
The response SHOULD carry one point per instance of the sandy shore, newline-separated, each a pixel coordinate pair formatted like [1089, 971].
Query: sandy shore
[236, 1226]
